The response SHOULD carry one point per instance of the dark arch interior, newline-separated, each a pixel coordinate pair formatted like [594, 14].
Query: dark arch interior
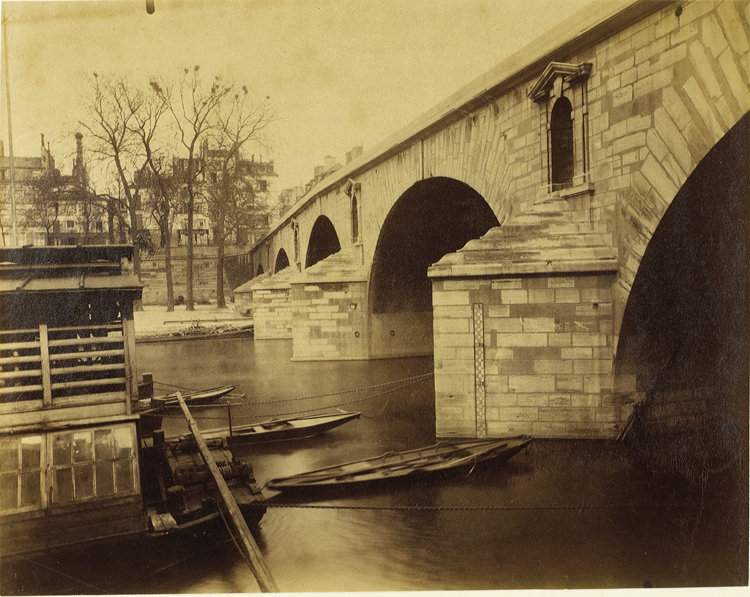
[282, 261]
[685, 328]
[323, 241]
[260, 270]
[434, 217]
[562, 143]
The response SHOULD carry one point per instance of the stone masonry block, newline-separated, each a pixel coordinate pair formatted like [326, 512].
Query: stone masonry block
[553, 366]
[589, 339]
[503, 325]
[522, 339]
[518, 413]
[591, 366]
[499, 310]
[568, 383]
[453, 297]
[538, 324]
[566, 414]
[525, 384]
[511, 297]
[507, 284]
[541, 295]
[567, 295]
[560, 339]
[562, 282]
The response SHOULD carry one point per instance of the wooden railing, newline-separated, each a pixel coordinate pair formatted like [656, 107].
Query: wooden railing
[63, 366]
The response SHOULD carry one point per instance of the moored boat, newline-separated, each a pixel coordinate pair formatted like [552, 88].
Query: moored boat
[441, 457]
[190, 398]
[279, 429]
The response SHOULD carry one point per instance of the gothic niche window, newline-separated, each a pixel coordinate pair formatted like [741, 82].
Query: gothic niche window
[352, 189]
[561, 144]
[561, 91]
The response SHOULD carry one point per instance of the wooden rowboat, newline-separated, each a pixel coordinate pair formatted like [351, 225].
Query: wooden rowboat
[441, 457]
[280, 429]
[191, 399]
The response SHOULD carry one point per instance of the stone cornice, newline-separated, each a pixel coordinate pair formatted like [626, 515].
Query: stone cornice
[569, 72]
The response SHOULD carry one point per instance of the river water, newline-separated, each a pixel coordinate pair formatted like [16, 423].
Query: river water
[566, 514]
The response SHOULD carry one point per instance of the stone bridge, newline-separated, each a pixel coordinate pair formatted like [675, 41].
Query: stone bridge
[566, 235]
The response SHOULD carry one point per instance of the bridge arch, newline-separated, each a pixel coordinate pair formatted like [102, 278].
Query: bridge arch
[433, 217]
[683, 332]
[282, 261]
[323, 242]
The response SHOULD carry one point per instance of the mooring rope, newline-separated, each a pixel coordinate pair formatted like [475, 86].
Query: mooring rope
[580, 507]
[412, 381]
[316, 396]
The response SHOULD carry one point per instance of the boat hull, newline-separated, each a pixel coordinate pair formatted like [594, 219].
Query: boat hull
[432, 460]
[279, 429]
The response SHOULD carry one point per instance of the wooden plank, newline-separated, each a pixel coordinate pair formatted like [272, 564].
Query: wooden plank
[109, 326]
[26, 373]
[131, 374]
[256, 561]
[44, 356]
[69, 356]
[83, 341]
[33, 358]
[87, 368]
[87, 383]
[73, 415]
[19, 389]
[100, 398]
[30, 331]
[18, 345]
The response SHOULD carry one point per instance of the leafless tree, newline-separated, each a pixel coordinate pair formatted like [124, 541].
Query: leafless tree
[194, 107]
[234, 199]
[111, 118]
[148, 108]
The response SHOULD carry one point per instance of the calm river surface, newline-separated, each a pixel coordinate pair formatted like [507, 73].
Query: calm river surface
[567, 514]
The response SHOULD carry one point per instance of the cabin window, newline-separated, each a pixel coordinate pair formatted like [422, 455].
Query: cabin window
[20, 473]
[92, 463]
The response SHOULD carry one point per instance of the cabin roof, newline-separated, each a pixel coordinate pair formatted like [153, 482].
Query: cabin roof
[67, 269]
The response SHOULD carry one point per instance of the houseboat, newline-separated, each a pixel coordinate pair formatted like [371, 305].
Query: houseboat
[74, 468]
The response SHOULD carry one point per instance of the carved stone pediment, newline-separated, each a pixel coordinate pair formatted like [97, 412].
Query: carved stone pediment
[569, 73]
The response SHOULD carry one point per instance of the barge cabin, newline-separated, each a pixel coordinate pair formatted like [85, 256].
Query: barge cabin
[71, 457]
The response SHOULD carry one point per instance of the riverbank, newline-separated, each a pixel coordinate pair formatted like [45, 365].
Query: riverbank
[155, 324]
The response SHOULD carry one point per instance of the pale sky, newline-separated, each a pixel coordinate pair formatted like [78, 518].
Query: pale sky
[339, 73]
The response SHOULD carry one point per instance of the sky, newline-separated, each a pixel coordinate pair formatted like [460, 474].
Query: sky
[338, 73]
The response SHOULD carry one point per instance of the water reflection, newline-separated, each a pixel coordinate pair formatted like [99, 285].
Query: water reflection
[567, 514]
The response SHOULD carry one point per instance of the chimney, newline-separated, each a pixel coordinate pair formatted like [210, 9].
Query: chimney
[329, 162]
[354, 153]
[79, 150]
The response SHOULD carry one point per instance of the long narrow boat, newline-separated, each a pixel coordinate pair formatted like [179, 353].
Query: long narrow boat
[191, 399]
[279, 429]
[422, 461]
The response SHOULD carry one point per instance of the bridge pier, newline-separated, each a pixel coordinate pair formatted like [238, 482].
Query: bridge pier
[329, 306]
[524, 332]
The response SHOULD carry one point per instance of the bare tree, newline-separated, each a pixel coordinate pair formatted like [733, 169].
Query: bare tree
[43, 208]
[194, 107]
[234, 198]
[148, 109]
[110, 108]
